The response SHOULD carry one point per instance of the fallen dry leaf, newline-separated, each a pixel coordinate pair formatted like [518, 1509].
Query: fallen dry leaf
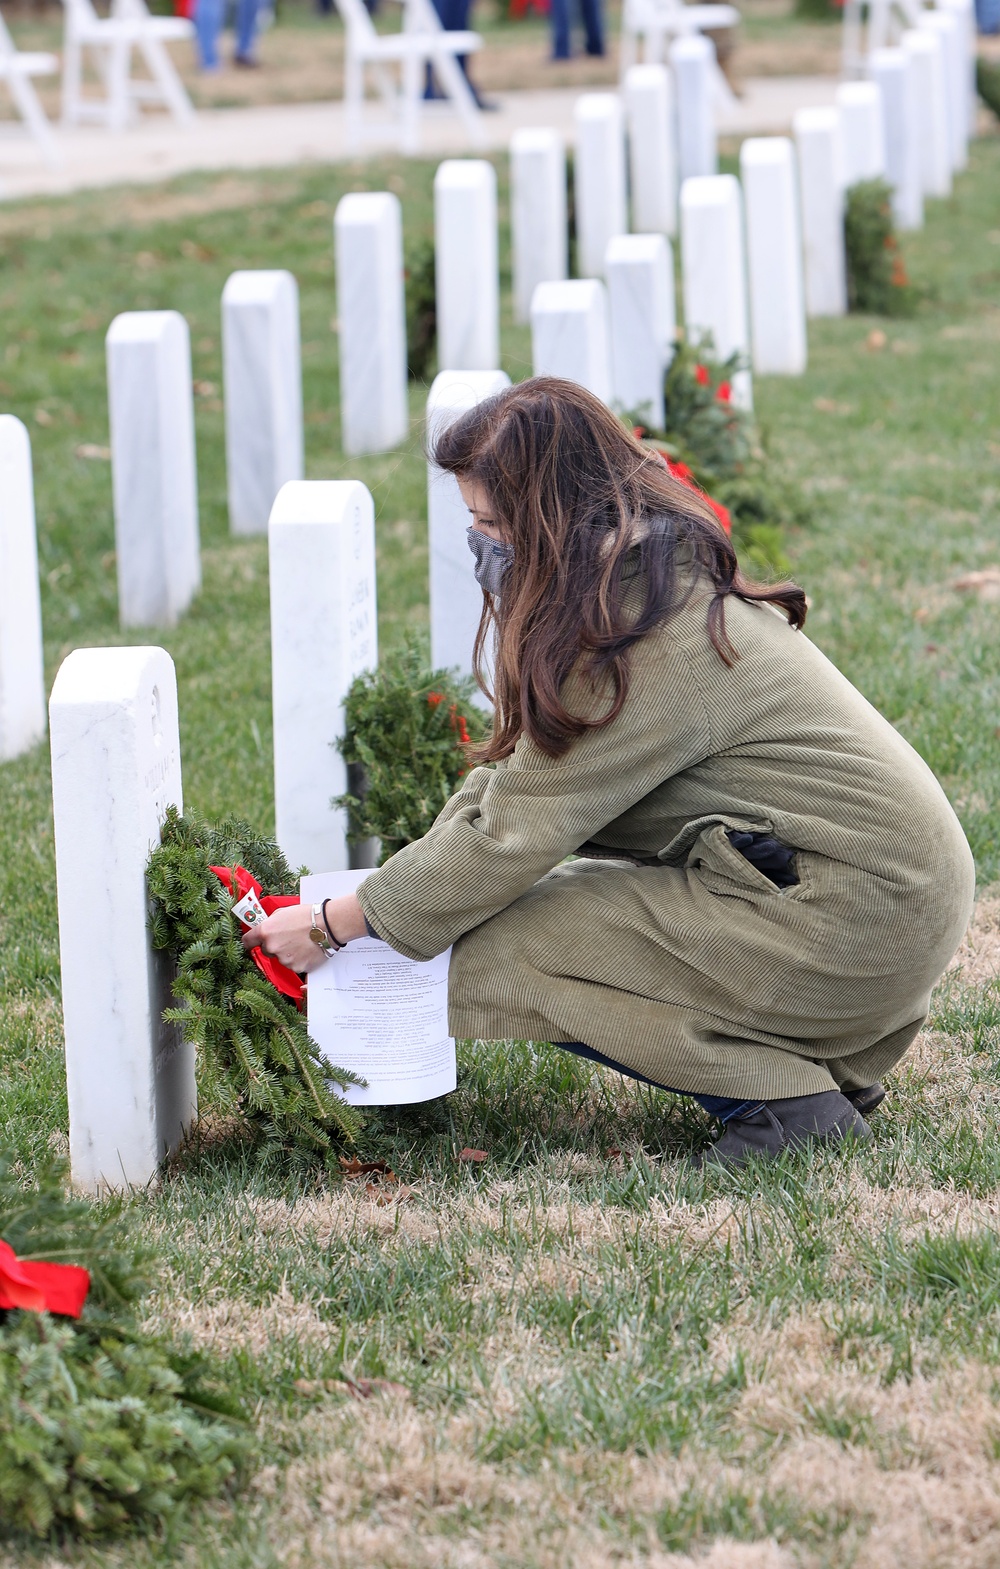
[192, 251]
[205, 389]
[364, 1388]
[43, 417]
[388, 1195]
[352, 1167]
[876, 340]
[830, 406]
[985, 583]
[614, 1154]
[478, 1156]
[87, 449]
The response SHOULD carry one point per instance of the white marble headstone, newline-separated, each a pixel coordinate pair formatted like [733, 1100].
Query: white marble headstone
[649, 104]
[151, 409]
[691, 58]
[467, 279]
[862, 145]
[713, 270]
[640, 274]
[949, 29]
[930, 67]
[539, 236]
[599, 178]
[821, 201]
[22, 674]
[456, 600]
[324, 632]
[115, 769]
[774, 256]
[570, 335]
[371, 317]
[893, 70]
[964, 12]
[262, 376]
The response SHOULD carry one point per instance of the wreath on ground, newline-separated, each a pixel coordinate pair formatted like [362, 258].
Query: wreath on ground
[102, 1427]
[877, 281]
[242, 1011]
[405, 736]
[713, 444]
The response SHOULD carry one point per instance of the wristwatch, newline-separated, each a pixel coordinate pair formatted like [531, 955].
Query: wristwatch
[318, 932]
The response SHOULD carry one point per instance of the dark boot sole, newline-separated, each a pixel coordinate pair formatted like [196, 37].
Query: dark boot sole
[865, 1100]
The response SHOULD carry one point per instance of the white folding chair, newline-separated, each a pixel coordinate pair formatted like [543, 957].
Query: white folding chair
[112, 41]
[657, 22]
[16, 69]
[421, 42]
[886, 19]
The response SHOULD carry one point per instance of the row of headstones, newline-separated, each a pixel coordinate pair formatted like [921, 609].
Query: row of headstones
[911, 121]
[151, 415]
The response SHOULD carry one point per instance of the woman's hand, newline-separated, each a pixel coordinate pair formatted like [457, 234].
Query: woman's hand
[285, 934]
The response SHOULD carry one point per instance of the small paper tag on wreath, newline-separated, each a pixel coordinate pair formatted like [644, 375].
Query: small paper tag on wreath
[249, 911]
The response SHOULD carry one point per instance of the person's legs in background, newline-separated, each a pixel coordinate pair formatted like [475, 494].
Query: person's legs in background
[454, 16]
[208, 16]
[443, 9]
[593, 26]
[247, 12]
[559, 17]
[988, 16]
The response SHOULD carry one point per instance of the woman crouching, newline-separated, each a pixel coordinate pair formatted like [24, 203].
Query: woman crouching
[767, 880]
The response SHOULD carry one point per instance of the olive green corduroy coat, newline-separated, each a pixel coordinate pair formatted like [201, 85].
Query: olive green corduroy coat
[693, 968]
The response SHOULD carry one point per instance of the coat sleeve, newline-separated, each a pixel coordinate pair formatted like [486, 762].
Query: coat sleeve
[511, 824]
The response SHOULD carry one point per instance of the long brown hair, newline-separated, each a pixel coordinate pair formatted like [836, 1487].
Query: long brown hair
[574, 492]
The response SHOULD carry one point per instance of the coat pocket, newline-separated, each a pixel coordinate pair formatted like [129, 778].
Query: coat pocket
[725, 871]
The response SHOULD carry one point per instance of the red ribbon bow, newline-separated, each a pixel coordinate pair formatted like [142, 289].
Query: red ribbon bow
[280, 976]
[41, 1288]
[683, 473]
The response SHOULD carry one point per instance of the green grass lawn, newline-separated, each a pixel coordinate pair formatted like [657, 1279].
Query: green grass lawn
[606, 1358]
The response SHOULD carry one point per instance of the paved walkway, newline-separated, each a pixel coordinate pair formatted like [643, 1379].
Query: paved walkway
[282, 135]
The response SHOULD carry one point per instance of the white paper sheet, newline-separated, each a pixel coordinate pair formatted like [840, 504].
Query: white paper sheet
[379, 1014]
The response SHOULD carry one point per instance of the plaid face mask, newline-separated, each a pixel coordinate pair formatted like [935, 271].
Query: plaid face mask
[493, 557]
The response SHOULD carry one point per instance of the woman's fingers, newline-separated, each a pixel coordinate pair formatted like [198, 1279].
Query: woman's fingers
[285, 936]
[253, 937]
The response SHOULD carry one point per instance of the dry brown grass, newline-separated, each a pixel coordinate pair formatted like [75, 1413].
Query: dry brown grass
[390, 1485]
[831, 1464]
[978, 960]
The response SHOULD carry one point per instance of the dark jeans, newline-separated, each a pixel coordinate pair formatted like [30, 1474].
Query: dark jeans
[209, 19]
[721, 1106]
[454, 16]
[593, 27]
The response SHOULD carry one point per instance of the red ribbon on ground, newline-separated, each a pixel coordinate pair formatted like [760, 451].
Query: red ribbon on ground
[41, 1288]
[280, 976]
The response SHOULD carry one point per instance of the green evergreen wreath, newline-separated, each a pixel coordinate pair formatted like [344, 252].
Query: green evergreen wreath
[102, 1427]
[727, 455]
[256, 1053]
[405, 732]
[877, 282]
